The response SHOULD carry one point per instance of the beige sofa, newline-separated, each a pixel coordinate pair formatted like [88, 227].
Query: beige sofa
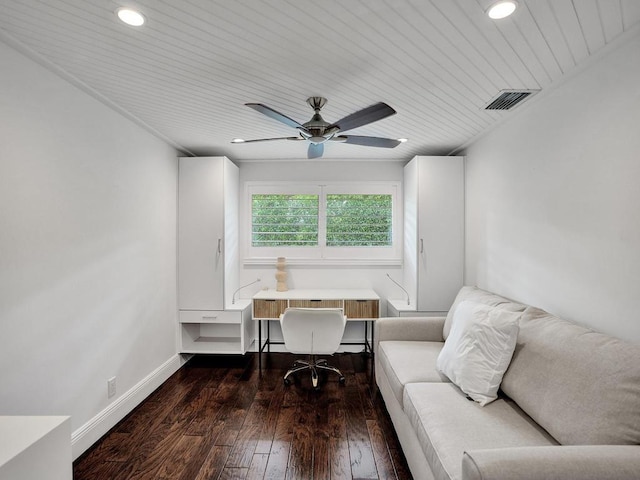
[569, 406]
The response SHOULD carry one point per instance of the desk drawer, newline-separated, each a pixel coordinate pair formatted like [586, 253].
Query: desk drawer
[312, 303]
[268, 308]
[361, 308]
[210, 316]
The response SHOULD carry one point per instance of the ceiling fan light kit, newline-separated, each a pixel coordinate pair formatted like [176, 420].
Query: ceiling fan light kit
[317, 131]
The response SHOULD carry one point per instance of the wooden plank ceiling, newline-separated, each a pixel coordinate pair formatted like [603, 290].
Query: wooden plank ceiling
[188, 72]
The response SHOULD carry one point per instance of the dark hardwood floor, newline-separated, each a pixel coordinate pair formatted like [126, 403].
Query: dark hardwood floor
[216, 418]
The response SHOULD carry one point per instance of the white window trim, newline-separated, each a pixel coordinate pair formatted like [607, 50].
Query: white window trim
[363, 256]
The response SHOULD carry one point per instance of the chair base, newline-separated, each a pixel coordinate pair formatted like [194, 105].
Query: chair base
[313, 365]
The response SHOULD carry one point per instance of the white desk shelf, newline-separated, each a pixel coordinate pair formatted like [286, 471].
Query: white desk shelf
[228, 331]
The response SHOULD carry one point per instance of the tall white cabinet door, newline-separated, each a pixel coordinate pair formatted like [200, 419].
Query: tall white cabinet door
[435, 244]
[201, 233]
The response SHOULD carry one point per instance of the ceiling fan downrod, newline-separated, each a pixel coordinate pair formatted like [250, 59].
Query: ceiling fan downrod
[316, 128]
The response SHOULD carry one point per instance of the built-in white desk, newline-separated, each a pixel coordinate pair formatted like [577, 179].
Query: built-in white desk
[399, 308]
[360, 305]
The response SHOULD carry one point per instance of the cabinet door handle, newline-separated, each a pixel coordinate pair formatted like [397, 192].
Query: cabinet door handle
[421, 246]
[219, 246]
[209, 318]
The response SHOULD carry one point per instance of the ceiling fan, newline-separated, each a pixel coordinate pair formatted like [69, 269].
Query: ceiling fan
[316, 131]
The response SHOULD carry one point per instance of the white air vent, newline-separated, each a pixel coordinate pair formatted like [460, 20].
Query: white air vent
[507, 99]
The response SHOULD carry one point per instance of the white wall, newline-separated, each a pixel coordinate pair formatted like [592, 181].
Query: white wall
[553, 199]
[330, 276]
[87, 247]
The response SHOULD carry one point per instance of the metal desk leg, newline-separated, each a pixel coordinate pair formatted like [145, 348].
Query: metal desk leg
[260, 347]
[366, 337]
[373, 326]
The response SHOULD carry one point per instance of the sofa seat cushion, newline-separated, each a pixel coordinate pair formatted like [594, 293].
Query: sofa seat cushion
[583, 387]
[407, 362]
[448, 424]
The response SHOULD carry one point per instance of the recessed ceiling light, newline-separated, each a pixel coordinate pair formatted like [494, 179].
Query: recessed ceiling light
[237, 140]
[130, 16]
[502, 9]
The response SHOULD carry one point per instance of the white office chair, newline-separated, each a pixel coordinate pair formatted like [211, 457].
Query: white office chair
[312, 331]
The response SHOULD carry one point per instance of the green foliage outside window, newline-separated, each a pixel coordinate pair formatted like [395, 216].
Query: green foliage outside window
[352, 220]
[359, 220]
[284, 220]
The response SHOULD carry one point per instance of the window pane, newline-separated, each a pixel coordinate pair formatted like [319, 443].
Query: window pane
[284, 220]
[359, 220]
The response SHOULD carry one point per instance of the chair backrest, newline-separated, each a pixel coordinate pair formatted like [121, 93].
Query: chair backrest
[313, 330]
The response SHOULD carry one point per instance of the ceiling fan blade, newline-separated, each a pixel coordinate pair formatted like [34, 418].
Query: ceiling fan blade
[271, 113]
[268, 139]
[368, 141]
[364, 117]
[315, 150]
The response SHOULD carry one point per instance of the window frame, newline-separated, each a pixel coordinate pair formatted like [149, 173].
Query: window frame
[322, 254]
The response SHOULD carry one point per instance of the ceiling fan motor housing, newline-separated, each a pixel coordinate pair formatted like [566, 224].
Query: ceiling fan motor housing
[316, 127]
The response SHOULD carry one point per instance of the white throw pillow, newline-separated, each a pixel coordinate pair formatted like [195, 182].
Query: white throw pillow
[479, 348]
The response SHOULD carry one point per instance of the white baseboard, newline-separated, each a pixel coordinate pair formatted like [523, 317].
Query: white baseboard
[90, 432]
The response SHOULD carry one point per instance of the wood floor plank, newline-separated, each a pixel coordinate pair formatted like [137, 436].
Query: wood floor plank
[247, 439]
[384, 465]
[218, 418]
[141, 448]
[245, 445]
[179, 458]
[150, 465]
[363, 463]
[301, 456]
[114, 447]
[340, 459]
[258, 466]
[213, 464]
[234, 474]
[99, 470]
[321, 457]
[270, 419]
[210, 406]
[281, 446]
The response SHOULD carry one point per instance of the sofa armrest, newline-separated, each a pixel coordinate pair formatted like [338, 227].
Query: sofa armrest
[426, 329]
[585, 462]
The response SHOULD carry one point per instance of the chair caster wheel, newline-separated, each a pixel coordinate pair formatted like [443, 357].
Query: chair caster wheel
[287, 382]
[341, 380]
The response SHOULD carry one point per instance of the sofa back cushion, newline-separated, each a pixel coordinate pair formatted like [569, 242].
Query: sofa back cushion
[583, 387]
[477, 295]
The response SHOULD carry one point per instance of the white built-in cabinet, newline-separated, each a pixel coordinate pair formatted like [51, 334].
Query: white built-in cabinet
[208, 258]
[433, 231]
[35, 447]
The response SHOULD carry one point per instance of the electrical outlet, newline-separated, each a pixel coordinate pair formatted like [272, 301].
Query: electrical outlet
[111, 387]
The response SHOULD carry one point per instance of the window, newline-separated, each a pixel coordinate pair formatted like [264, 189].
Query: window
[357, 220]
[339, 222]
[280, 220]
